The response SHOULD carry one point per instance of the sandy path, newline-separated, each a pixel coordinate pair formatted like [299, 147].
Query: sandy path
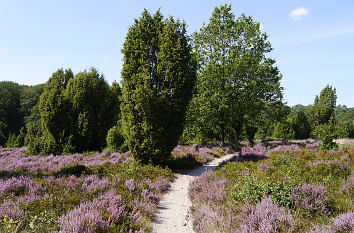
[173, 215]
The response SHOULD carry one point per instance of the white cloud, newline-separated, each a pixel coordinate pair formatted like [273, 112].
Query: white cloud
[297, 13]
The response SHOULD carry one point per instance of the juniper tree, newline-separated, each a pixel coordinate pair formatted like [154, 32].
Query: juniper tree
[75, 113]
[158, 77]
[322, 110]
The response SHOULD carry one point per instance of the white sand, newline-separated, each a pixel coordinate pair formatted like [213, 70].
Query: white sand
[173, 215]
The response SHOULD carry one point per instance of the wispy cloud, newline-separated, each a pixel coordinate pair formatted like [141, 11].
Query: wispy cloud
[314, 36]
[329, 34]
[297, 13]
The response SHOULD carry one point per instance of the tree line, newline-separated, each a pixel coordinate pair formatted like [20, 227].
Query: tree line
[217, 84]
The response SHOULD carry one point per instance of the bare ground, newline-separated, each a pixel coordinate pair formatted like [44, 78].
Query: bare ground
[174, 215]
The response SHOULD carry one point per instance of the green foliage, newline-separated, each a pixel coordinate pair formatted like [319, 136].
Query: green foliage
[76, 170]
[10, 114]
[20, 139]
[235, 79]
[327, 133]
[75, 113]
[283, 130]
[32, 138]
[302, 126]
[322, 110]
[280, 177]
[44, 222]
[29, 102]
[11, 141]
[248, 192]
[16, 104]
[9, 224]
[115, 139]
[54, 109]
[158, 77]
[90, 106]
[3, 132]
[345, 120]
[254, 190]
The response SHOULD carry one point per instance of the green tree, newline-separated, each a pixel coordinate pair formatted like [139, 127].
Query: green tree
[20, 139]
[55, 111]
[115, 139]
[158, 77]
[91, 114]
[29, 103]
[323, 108]
[10, 113]
[235, 79]
[283, 130]
[75, 113]
[345, 120]
[302, 126]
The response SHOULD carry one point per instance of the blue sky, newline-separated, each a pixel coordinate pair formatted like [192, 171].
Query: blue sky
[312, 40]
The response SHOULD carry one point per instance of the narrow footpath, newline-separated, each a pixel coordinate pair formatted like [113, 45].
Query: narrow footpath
[173, 215]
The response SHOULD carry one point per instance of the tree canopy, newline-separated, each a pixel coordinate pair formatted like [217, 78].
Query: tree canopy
[235, 78]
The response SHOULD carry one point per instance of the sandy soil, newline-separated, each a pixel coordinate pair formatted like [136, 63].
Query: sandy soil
[173, 215]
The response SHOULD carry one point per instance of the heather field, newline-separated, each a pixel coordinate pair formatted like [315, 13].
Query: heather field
[278, 188]
[98, 192]
[102, 192]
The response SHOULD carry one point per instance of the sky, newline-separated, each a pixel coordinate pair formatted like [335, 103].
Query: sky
[312, 40]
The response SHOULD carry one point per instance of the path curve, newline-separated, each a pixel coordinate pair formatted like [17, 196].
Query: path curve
[173, 215]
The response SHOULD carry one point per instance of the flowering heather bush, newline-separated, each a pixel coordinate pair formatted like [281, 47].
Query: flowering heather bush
[321, 229]
[17, 186]
[212, 218]
[310, 197]
[130, 184]
[312, 145]
[11, 209]
[349, 185]
[267, 217]
[13, 159]
[253, 153]
[328, 162]
[210, 212]
[208, 187]
[88, 216]
[286, 148]
[202, 154]
[344, 222]
[208, 195]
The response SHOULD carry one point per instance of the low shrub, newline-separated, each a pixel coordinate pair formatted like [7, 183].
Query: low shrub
[311, 198]
[267, 217]
[344, 222]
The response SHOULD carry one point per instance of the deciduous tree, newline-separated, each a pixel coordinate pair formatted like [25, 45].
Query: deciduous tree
[235, 78]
